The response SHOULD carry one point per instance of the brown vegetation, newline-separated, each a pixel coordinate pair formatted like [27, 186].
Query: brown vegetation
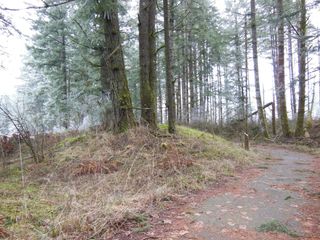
[95, 183]
[3, 232]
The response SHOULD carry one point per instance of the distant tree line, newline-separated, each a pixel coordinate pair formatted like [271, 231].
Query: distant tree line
[176, 61]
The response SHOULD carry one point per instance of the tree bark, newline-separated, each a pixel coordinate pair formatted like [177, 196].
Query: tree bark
[247, 76]
[160, 102]
[115, 71]
[238, 67]
[147, 55]
[65, 121]
[191, 79]
[291, 75]
[256, 70]
[169, 67]
[185, 91]
[302, 69]
[178, 99]
[280, 72]
[274, 56]
[220, 96]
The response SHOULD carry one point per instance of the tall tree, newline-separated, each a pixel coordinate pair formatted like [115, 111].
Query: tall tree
[49, 56]
[262, 118]
[147, 53]
[280, 72]
[168, 22]
[302, 68]
[291, 75]
[115, 69]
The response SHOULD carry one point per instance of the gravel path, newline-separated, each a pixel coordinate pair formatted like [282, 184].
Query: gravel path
[275, 198]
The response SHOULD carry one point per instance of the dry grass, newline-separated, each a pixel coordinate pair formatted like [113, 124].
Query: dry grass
[105, 182]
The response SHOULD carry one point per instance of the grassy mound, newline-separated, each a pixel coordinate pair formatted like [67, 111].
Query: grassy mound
[95, 183]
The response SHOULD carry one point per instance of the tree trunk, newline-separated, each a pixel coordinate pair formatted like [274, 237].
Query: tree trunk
[291, 75]
[169, 65]
[185, 76]
[191, 79]
[309, 124]
[319, 65]
[160, 101]
[247, 77]
[65, 121]
[178, 97]
[274, 56]
[115, 70]
[302, 69]
[220, 97]
[256, 69]
[280, 72]
[225, 93]
[195, 82]
[147, 49]
[185, 89]
[238, 66]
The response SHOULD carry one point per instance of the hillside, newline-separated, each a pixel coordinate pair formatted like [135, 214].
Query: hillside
[94, 183]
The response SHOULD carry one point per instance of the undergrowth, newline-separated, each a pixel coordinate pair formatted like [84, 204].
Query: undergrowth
[96, 182]
[305, 149]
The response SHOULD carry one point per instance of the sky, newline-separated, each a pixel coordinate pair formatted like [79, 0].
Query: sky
[14, 46]
[10, 75]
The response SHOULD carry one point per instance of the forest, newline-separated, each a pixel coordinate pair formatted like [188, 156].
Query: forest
[126, 106]
[199, 66]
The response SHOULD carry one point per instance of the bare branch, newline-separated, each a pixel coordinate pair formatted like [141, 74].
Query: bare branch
[46, 5]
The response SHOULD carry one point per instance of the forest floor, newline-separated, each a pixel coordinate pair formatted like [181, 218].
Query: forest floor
[92, 185]
[141, 185]
[278, 198]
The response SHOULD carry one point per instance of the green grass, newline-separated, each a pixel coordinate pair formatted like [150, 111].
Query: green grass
[276, 226]
[23, 208]
[216, 147]
[71, 140]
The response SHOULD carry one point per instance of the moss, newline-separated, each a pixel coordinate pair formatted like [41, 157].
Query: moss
[287, 198]
[276, 226]
[24, 208]
[216, 147]
[12, 172]
[309, 123]
[9, 186]
[71, 140]
[193, 133]
[163, 127]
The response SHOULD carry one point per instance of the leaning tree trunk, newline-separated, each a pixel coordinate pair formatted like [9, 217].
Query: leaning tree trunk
[302, 69]
[147, 55]
[256, 69]
[280, 73]
[115, 71]
[169, 65]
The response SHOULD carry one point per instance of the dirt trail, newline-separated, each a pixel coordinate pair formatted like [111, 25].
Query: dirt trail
[283, 191]
[279, 196]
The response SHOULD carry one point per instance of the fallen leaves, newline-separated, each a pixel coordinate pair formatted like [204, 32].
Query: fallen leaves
[96, 167]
